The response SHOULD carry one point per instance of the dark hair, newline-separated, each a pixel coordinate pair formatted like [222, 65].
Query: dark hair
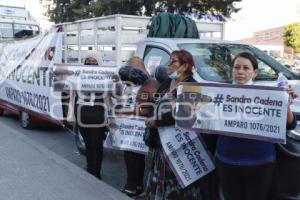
[248, 56]
[185, 57]
[86, 62]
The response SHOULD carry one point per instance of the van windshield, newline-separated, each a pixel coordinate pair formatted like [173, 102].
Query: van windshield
[213, 61]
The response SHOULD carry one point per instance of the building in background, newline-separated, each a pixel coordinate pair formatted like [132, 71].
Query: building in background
[13, 3]
[16, 22]
[298, 12]
[271, 41]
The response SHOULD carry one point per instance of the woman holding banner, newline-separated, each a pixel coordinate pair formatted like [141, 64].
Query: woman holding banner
[90, 116]
[246, 166]
[162, 183]
[133, 75]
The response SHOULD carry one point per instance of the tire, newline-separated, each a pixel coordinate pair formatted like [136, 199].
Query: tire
[1, 112]
[79, 140]
[25, 120]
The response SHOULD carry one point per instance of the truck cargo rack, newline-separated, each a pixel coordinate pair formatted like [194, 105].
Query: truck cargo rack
[115, 37]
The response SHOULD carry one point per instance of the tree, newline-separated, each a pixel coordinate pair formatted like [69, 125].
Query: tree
[109, 7]
[226, 7]
[292, 36]
[69, 10]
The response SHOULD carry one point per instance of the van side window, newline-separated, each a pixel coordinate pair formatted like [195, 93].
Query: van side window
[155, 57]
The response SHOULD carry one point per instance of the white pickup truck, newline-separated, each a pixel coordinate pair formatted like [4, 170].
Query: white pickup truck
[118, 37]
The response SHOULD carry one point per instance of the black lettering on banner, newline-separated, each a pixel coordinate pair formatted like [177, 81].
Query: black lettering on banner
[227, 108]
[197, 155]
[179, 137]
[95, 77]
[257, 110]
[201, 160]
[133, 144]
[13, 94]
[172, 150]
[129, 132]
[139, 145]
[265, 127]
[191, 158]
[183, 170]
[136, 144]
[170, 146]
[241, 99]
[37, 101]
[236, 124]
[139, 128]
[90, 86]
[252, 126]
[30, 75]
[138, 134]
[99, 86]
[126, 126]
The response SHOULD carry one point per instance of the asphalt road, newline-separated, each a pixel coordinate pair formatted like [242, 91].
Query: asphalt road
[62, 143]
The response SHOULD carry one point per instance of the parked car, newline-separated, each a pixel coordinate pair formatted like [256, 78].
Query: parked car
[297, 61]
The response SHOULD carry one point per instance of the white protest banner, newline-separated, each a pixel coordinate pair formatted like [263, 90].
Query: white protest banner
[249, 111]
[25, 74]
[83, 78]
[14, 54]
[186, 155]
[127, 134]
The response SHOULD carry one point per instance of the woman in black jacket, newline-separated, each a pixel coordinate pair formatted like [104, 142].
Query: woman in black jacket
[134, 73]
[90, 116]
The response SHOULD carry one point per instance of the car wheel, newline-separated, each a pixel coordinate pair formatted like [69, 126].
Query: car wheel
[79, 140]
[1, 112]
[25, 120]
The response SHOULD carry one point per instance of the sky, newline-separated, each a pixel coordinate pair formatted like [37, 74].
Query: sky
[34, 7]
[37, 11]
[255, 15]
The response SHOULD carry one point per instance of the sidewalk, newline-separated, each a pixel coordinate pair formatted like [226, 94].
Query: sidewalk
[29, 171]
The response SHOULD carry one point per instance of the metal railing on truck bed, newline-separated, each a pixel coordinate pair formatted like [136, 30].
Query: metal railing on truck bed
[115, 37]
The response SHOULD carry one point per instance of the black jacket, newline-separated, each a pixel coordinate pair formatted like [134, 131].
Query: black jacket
[167, 118]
